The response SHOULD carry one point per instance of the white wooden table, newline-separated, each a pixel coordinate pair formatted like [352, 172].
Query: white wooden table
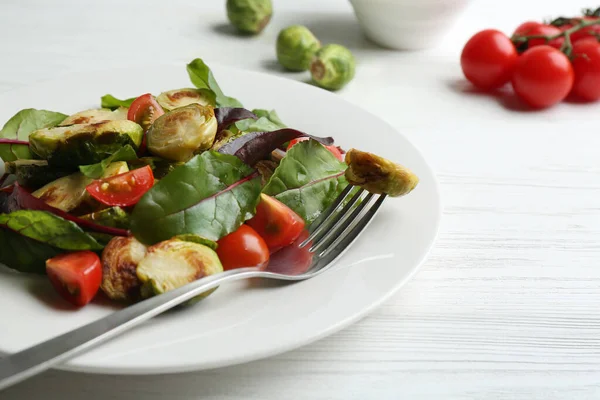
[507, 305]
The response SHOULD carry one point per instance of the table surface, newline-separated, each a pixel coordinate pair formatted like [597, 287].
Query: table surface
[507, 304]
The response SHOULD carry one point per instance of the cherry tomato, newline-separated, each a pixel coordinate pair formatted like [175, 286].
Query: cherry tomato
[333, 149]
[545, 30]
[585, 59]
[292, 259]
[543, 76]
[276, 223]
[526, 27]
[122, 190]
[144, 110]
[488, 58]
[243, 248]
[592, 31]
[75, 276]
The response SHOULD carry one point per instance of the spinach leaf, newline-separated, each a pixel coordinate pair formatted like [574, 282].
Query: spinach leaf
[202, 77]
[229, 115]
[28, 120]
[48, 228]
[95, 171]
[12, 150]
[28, 238]
[110, 101]
[23, 254]
[308, 179]
[255, 146]
[211, 196]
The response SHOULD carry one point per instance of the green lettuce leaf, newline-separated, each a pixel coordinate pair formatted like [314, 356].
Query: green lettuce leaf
[28, 120]
[267, 121]
[110, 101]
[28, 238]
[308, 179]
[20, 126]
[211, 196]
[95, 171]
[202, 77]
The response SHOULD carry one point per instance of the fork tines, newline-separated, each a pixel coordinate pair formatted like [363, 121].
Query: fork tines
[338, 226]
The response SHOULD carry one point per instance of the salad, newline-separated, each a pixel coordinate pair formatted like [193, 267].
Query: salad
[147, 194]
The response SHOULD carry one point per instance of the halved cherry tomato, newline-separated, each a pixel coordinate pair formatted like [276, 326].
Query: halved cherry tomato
[122, 190]
[585, 59]
[543, 76]
[332, 149]
[488, 58]
[276, 223]
[243, 248]
[75, 276]
[144, 110]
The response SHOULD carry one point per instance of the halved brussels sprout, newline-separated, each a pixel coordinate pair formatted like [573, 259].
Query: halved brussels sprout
[68, 193]
[95, 115]
[114, 217]
[33, 174]
[120, 259]
[378, 175]
[183, 132]
[84, 144]
[172, 99]
[174, 263]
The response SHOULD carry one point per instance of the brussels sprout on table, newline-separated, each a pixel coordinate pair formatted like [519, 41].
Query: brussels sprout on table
[175, 263]
[120, 259]
[249, 16]
[378, 175]
[176, 98]
[183, 132]
[333, 67]
[296, 47]
[83, 144]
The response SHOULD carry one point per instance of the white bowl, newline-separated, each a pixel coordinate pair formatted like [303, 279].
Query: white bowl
[407, 24]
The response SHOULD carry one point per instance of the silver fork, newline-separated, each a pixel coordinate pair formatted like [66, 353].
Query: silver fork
[329, 236]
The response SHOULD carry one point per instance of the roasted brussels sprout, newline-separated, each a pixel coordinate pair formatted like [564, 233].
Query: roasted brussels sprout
[120, 259]
[114, 217]
[332, 67]
[192, 237]
[83, 144]
[182, 132]
[249, 16]
[94, 116]
[33, 174]
[296, 47]
[378, 175]
[174, 263]
[172, 99]
[68, 193]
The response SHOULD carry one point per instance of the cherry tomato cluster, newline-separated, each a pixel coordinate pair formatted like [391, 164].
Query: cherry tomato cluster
[543, 62]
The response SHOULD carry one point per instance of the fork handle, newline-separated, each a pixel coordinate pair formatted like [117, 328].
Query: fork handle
[34, 360]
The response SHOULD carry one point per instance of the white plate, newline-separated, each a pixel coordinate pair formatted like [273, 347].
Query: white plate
[248, 320]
